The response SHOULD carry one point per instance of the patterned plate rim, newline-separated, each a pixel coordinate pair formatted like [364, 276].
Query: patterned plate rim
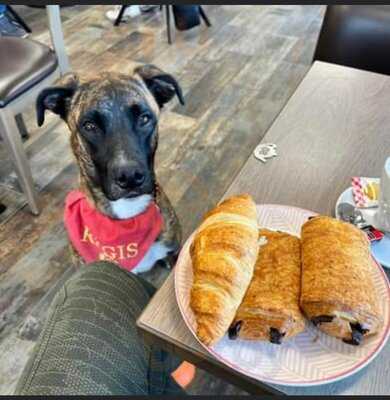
[342, 375]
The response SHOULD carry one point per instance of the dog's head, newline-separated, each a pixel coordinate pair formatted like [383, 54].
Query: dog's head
[113, 121]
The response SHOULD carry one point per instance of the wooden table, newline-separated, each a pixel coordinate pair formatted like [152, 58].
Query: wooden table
[336, 125]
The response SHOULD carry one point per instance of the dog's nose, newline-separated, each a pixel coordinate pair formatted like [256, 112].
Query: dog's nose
[127, 179]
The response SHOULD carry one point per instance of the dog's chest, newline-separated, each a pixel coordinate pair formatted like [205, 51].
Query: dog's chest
[128, 208]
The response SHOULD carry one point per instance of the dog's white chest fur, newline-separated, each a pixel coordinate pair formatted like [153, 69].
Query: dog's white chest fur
[127, 208]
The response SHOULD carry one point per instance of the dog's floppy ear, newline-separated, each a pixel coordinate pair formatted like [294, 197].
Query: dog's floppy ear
[163, 86]
[56, 98]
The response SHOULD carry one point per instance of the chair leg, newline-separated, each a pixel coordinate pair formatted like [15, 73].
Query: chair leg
[18, 19]
[13, 142]
[120, 15]
[204, 16]
[21, 126]
[167, 13]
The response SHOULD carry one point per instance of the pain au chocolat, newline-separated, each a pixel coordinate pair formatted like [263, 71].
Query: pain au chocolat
[338, 292]
[223, 252]
[270, 308]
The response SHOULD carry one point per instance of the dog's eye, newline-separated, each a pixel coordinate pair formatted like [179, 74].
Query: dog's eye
[89, 126]
[144, 119]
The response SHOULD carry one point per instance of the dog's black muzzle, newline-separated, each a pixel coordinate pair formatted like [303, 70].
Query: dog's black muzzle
[128, 179]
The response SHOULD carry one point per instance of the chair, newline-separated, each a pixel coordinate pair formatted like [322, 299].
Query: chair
[18, 19]
[356, 36]
[202, 15]
[26, 68]
[190, 17]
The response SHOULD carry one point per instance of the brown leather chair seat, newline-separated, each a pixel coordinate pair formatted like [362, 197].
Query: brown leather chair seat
[23, 63]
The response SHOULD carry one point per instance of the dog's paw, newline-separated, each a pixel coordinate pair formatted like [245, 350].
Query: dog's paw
[165, 263]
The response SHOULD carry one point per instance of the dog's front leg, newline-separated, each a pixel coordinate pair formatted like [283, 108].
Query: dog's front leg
[171, 234]
[75, 258]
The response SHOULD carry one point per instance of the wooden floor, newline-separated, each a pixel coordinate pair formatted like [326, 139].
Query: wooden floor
[236, 76]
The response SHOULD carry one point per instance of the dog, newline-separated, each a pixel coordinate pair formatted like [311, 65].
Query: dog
[113, 121]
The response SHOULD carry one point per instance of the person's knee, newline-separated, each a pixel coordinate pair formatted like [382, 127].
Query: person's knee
[92, 322]
[105, 280]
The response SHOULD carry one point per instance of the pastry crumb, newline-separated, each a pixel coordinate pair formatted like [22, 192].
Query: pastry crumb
[262, 241]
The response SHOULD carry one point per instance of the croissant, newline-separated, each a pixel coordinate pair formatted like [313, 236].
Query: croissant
[270, 308]
[338, 292]
[223, 253]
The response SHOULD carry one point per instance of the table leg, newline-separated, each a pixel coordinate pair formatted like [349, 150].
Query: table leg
[21, 126]
[18, 19]
[167, 13]
[120, 15]
[204, 16]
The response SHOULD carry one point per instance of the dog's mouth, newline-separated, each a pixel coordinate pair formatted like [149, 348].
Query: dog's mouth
[115, 197]
[113, 191]
[126, 195]
[131, 195]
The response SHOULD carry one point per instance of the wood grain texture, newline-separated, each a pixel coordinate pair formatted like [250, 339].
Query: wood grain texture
[14, 201]
[334, 126]
[236, 76]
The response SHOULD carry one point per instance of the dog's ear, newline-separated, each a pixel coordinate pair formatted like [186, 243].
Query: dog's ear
[163, 86]
[56, 98]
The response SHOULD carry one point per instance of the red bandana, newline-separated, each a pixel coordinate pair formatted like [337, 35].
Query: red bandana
[98, 237]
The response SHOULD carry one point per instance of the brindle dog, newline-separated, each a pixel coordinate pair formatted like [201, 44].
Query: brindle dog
[113, 120]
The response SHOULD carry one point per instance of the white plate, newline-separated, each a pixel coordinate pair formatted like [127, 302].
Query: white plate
[381, 249]
[312, 357]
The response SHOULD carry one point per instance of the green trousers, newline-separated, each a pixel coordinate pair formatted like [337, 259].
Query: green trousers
[90, 345]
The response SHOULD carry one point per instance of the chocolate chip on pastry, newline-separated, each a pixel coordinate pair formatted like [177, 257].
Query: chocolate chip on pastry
[357, 334]
[321, 318]
[275, 336]
[234, 330]
[359, 328]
